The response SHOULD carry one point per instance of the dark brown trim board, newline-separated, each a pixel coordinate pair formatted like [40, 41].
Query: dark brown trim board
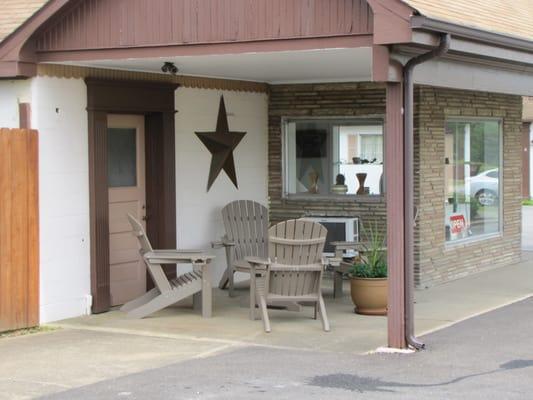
[155, 100]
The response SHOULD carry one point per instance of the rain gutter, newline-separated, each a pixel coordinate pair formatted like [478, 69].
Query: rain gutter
[409, 206]
[479, 35]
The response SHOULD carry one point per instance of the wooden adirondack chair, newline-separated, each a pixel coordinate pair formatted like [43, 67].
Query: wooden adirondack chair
[294, 268]
[246, 225]
[167, 292]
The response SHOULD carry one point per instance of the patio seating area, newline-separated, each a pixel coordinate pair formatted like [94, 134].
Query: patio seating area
[350, 333]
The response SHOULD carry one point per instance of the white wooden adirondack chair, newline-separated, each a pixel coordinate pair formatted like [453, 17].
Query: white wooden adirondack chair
[294, 268]
[165, 292]
[246, 225]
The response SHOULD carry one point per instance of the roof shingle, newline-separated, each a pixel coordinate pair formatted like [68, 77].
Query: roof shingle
[508, 17]
[15, 12]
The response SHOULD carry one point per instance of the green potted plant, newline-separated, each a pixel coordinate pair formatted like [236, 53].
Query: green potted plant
[369, 275]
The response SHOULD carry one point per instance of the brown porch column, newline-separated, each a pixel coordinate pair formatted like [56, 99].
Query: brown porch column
[394, 171]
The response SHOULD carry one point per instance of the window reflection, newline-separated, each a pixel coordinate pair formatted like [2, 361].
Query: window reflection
[328, 156]
[472, 178]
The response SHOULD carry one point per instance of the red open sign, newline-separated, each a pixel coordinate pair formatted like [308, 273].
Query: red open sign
[457, 224]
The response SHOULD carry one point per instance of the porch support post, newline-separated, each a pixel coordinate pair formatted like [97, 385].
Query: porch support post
[394, 181]
[99, 210]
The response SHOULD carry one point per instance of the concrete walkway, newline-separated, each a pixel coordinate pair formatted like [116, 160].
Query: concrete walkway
[435, 308]
[101, 347]
[486, 358]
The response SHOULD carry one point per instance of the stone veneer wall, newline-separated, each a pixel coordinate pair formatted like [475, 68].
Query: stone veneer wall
[320, 100]
[436, 261]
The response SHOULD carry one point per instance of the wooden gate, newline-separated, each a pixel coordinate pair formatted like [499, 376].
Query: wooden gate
[19, 229]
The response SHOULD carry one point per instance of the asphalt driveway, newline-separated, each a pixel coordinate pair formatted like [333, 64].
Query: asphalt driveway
[487, 357]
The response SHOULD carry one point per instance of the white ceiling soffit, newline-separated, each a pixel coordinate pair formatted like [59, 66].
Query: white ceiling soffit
[329, 65]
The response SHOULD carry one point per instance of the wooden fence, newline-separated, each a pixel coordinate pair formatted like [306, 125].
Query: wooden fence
[19, 229]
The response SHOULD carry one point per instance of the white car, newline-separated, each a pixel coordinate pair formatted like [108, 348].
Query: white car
[485, 186]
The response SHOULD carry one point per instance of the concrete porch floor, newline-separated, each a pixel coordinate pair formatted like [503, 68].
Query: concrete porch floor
[435, 308]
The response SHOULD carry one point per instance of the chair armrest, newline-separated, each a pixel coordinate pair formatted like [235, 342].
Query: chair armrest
[224, 242]
[176, 256]
[177, 251]
[257, 261]
[346, 245]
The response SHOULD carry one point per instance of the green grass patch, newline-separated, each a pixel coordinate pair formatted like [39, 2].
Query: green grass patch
[527, 202]
[27, 331]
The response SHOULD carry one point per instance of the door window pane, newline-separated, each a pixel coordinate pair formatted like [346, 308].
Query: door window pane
[121, 157]
[472, 179]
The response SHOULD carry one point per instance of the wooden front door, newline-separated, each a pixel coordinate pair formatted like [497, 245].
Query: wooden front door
[127, 194]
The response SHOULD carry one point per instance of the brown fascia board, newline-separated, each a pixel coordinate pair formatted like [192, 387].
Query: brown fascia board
[11, 59]
[391, 21]
[496, 39]
[16, 69]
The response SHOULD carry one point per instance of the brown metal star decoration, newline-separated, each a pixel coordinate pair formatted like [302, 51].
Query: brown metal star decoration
[221, 144]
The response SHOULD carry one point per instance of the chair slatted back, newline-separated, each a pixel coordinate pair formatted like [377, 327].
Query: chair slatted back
[156, 270]
[295, 249]
[246, 225]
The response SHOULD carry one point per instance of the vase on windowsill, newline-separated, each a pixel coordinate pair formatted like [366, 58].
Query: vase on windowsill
[339, 187]
[361, 177]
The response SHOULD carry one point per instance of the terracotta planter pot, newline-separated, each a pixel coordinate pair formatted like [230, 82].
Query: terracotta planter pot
[369, 295]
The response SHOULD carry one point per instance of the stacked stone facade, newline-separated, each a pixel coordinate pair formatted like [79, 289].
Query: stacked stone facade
[435, 261]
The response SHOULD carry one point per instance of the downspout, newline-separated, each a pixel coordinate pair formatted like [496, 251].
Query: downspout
[409, 205]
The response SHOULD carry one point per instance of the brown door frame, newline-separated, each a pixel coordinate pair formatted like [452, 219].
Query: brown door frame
[526, 167]
[154, 100]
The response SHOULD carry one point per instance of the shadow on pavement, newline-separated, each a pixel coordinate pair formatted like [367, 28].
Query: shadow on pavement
[361, 384]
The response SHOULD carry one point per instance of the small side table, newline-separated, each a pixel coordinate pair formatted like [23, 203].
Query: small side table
[339, 266]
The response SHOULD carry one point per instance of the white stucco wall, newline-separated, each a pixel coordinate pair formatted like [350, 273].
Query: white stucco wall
[199, 219]
[59, 113]
[11, 94]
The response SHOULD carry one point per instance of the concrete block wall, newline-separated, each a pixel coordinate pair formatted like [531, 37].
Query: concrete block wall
[437, 261]
[316, 101]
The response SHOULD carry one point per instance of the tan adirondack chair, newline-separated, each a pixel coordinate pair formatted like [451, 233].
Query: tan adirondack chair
[294, 268]
[167, 292]
[246, 226]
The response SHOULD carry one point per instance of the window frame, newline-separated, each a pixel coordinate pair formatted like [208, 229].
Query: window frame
[375, 119]
[485, 236]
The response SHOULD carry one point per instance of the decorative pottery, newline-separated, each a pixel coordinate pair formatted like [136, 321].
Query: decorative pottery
[339, 189]
[361, 177]
[313, 181]
[369, 295]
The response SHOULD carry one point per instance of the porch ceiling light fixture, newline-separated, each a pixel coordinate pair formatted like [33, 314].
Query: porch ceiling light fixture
[169, 67]
[221, 144]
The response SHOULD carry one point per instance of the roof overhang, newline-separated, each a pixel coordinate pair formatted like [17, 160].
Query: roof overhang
[495, 39]
[374, 50]
[50, 35]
